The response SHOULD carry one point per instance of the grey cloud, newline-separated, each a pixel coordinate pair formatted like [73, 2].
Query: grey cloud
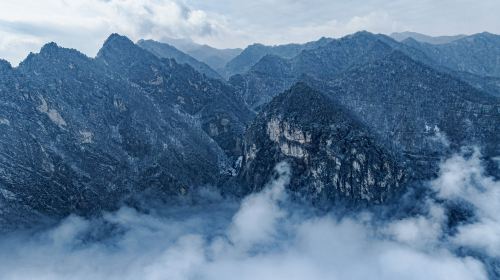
[268, 17]
[83, 24]
[30, 28]
[223, 23]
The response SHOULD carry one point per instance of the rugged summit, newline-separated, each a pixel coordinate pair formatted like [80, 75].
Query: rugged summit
[333, 156]
[5, 66]
[222, 113]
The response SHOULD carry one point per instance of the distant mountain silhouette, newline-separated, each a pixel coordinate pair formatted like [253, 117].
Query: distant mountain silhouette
[215, 58]
[163, 50]
[435, 40]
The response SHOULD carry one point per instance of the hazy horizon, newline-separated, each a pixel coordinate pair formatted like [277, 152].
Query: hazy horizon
[166, 40]
[84, 25]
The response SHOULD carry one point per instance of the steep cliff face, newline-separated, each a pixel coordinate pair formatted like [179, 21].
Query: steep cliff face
[334, 158]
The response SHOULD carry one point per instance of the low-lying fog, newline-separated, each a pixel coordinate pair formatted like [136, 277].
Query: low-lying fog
[267, 236]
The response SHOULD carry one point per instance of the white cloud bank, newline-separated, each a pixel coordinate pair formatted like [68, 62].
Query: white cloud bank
[267, 237]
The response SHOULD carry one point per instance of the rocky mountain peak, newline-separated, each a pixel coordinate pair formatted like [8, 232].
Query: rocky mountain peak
[51, 58]
[333, 156]
[54, 51]
[5, 65]
[361, 35]
[270, 64]
[49, 48]
[302, 100]
[117, 46]
[116, 39]
[486, 35]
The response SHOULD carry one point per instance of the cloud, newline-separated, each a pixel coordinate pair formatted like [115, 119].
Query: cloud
[419, 231]
[84, 24]
[376, 21]
[463, 178]
[14, 47]
[281, 21]
[267, 236]
[255, 222]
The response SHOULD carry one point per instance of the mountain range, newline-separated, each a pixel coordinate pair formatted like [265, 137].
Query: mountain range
[360, 119]
[163, 50]
[401, 36]
[215, 58]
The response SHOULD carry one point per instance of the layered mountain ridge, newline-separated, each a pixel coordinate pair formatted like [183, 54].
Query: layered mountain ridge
[476, 54]
[357, 118]
[435, 40]
[417, 111]
[163, 50]
[253, 53]
[214, 57]
[80, 135]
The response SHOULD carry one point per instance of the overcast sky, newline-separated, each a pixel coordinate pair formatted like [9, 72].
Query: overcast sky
[83, 24]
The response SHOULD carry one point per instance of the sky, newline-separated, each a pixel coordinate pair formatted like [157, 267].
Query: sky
[84, 24]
